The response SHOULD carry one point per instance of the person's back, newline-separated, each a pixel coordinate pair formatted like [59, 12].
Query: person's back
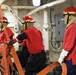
[34, 40]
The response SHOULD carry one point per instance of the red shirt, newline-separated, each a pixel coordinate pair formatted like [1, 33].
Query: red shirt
[9, 32]
[5, 32]
[69, 43]
[34, 41]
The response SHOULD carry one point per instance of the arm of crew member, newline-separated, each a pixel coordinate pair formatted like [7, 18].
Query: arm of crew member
[22, 36]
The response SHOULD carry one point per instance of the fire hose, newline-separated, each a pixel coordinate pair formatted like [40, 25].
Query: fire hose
[51, 67]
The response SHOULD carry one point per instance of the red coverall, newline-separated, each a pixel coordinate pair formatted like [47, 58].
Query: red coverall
[4, 50]
[34, 43]
[69, 44]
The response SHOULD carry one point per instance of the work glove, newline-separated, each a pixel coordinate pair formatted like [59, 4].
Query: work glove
[21, 36]
[11, 42]
[63, 54]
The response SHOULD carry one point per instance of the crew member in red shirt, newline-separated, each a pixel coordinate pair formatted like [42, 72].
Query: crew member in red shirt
[35, 47]
[6, 37]
[69, 43]
[4, 30]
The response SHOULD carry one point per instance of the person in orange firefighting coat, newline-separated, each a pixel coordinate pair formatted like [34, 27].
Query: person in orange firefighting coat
[69, 42]
[34, 43]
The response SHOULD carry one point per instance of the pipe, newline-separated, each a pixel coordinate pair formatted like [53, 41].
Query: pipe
[46, 6]
[11, 11]
[45, 30]
[23, 7]
[19, 7]
[1, 1]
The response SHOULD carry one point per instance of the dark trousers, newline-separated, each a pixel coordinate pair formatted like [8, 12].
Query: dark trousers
[70, 67]
[35, 63]
[23, 56]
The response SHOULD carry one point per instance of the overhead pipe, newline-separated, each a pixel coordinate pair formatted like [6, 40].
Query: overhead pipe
[19, 7]
[46, 6]
[24, 7]
[11, 11]
[1, 1]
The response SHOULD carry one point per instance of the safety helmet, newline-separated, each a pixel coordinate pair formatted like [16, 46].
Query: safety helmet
[70, 10]
[4, 19]
[27, 19]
